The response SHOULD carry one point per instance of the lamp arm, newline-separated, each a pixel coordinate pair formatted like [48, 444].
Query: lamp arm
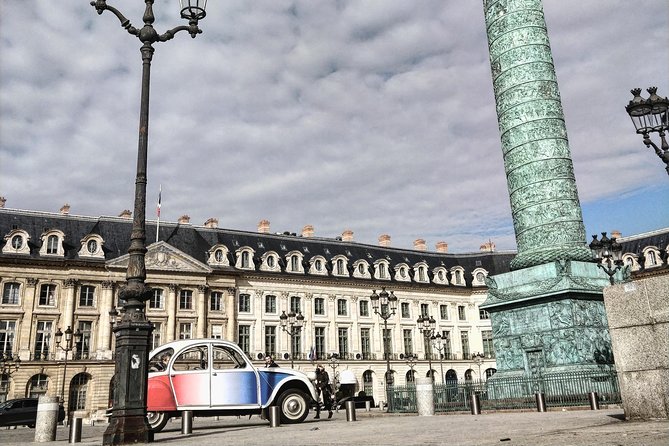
[101, 6]
[192, 29]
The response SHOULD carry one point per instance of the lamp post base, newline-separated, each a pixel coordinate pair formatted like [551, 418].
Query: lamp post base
[127, 430]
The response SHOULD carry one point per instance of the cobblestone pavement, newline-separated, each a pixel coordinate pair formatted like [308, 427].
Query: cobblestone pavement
[553, 428]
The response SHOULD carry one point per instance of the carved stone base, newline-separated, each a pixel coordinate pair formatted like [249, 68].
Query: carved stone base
[127, 430]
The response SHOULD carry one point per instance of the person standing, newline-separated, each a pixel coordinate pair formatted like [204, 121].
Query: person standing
[269, 361]
[323, 390]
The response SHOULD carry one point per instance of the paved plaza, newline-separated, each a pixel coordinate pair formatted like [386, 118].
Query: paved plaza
[578, 428]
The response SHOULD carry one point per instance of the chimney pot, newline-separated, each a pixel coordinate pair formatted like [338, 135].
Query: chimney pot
[347, 236]
[65, 209]
[184, 219]
[308, 231]
[211, 223]
[487, 247]
[616, 234]
[419, 244]
[442, 247]
[3, 200]
[384, 240]
[263, 226]
[125, 214]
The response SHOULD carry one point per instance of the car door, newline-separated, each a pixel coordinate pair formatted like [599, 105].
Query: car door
[234, 381]
[190, 377]
[29, 412]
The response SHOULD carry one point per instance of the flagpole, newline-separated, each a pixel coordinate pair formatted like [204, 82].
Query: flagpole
[160, 193]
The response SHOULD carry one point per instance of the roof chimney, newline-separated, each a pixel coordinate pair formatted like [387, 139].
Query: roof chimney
[616, 234]
[263, 226]
[347, 236]
[3, 200]
[442, 247]
[65, 209]
[488, 246]
[419, 244]
[125, 214]
[184, 219]
[384, 240]
[308, 231]
[211, 223]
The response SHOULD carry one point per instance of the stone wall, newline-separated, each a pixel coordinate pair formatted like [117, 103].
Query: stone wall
[638, 314]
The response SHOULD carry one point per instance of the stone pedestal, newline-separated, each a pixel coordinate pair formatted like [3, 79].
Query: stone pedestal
[47, 418]
[425, 396]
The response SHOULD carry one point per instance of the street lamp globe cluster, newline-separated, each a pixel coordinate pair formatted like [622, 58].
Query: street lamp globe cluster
[438, 343]
[427, 326]
[608, 255]
[127, 422]
[384, 304]
[651, 115]
[71, 341]
[292, 324]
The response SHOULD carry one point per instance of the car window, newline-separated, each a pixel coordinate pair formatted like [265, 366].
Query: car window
[194, 358]
[226, 358]
[30, 403]
[159, 361]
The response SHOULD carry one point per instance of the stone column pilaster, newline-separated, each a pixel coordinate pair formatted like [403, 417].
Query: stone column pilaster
[28, 304]
[171, 307]
[104, 327]
[68, 304]
[231, 313]
[201, 308]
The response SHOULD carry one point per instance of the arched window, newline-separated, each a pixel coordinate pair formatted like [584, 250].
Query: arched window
[411, 377]
[78, 391]
[52, 244]
[452, 375]
[651, 259]
[245, 259]
[38, 385]
[340, 267]
[294, 263]
[468, 375]
[4, 387]
[368, 382]
[489, 372]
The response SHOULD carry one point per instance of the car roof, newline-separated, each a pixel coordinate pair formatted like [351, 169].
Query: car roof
[183, 343]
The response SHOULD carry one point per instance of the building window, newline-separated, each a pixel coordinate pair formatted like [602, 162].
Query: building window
[458, 277]
[156, 338]
[364, 308]
[342, 309]
[245, 259]
[156, 300]
[368, 382]
[427, 347]
[388, 343]
[365, 343]
[382, 270]
[218, 255]
[464, 339]
[43, 339]
[342, 338]
[318, 265]
[10, 293]
[78, 391]
[319, 306]
[340, 267]
[216, 301]
[408, 341]
[87, 296]
[17, 242]
[483, 314]
[186, 300]
[488, 349]
[424, 310]
[244, 336]
[462, 315]
[404, 306]
[421, 274]
[270, 304]
[186, 330]
[294, 263]
[217, 331]
[244, 303]
[270, 340]
[4, 387]
[295, 304]
[84, 346]
[651, 259]
[296, 344]
[270, 261]
[47, 295]
[443, 312]
[446, 344]
[52, 244]
[7, 336]
[319, 340]
[38, 385]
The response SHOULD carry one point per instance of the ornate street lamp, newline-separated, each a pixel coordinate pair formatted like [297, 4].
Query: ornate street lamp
[411, 359]
[426, 325]
[385, 305]
[67, 348]
[292, 324]
[608, 251]
[333, 360]
[651, 116]
[9, 363]
[437, 342]
[127, 423]
[478, 358]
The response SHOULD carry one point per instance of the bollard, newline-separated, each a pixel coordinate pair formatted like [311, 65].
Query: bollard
[368, 406]
[475, 401]
[425, 396]
[187, 422]
[594, 400]
[47, 418]
[541, 401]
[274, 416]
[350, 410]
[75, 430]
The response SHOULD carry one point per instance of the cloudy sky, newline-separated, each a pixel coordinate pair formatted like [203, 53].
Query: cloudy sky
[371, 115]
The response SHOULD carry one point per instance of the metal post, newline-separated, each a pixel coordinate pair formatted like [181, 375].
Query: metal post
[541, 401]
[75, 430]
[274, 416]
[187, 422]
[475, 402]
[368, 406]
[594, 400]
[350, 410]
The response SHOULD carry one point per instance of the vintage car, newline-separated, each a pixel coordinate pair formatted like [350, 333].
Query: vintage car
[214, 377]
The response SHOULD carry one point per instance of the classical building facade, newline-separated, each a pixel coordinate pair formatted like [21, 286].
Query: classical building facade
[59, 270]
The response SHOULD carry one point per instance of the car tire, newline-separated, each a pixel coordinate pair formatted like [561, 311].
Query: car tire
[157, 420]
[31, 426]
[294, 406]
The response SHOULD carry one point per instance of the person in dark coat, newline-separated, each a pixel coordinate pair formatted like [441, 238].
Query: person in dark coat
[269, 362]
[323, 390]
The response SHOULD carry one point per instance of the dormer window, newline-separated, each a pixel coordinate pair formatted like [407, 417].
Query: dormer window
[52, 243]
[294, 261]
[458, 276]
[17, 243]
[361, 269]
[91, 246]
[340, 266]
[218, 255]
[402, 273]
[440, 276]
[269, 262]
[420, 272]
[318, 266]
[381, 270]
[245, 258]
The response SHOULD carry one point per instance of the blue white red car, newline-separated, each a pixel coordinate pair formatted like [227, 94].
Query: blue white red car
[214, 377]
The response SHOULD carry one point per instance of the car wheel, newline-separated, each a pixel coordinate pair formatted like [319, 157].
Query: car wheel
[31, 426]
[294, 406]
[157, 420]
